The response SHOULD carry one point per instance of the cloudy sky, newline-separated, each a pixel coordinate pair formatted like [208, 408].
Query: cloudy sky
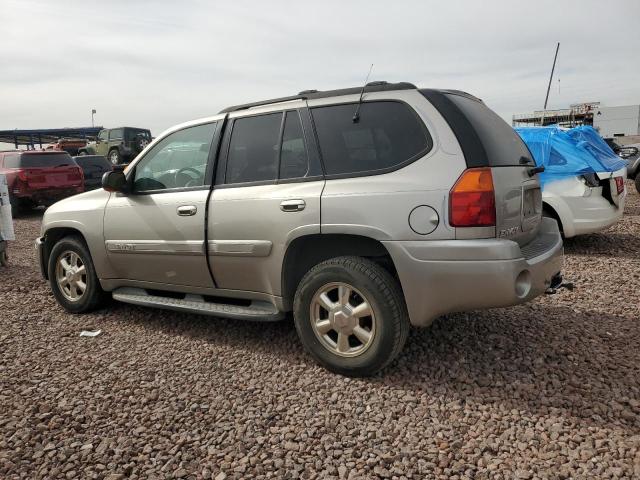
[157, 63]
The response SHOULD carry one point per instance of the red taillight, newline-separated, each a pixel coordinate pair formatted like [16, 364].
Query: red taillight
[77, 174]
[22, 175]
[619, 184]
[472, 201]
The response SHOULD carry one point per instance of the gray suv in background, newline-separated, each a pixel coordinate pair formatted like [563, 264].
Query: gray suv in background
[362, 211]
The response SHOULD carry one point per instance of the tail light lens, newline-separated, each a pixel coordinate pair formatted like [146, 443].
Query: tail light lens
[619, 184]
[22, 175]
[472, 201]
[77, 174]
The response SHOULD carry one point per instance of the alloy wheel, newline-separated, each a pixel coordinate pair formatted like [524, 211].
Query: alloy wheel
[71, 276]
[342, 319]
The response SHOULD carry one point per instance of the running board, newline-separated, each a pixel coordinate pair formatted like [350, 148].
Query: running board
[256, 311]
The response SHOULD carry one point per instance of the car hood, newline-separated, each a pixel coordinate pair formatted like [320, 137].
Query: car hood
[92, 200]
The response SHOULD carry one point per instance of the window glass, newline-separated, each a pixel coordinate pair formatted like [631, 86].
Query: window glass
[35, 160]
[294, 162]
[253, 149]
[103, 135]
[177, 161]
[386, 135]
[503, 145]
[115, 134]
[132, 133]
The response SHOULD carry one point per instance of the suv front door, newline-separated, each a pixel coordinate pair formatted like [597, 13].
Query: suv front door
[268, 186]
[155, 234]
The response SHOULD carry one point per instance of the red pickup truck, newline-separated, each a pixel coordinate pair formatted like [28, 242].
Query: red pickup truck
[38, 177]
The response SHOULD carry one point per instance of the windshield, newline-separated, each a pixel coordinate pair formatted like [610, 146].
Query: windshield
[35, 160]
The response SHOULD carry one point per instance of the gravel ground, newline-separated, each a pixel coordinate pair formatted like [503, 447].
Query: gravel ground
[550, 389]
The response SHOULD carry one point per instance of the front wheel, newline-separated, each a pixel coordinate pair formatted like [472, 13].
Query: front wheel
[114, 156]
[350, 315]
[72, 276]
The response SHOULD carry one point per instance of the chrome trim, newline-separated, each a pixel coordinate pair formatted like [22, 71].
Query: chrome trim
[187, 247]
[240, 248]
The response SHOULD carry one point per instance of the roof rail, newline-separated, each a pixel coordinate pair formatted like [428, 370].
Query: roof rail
[379, 86]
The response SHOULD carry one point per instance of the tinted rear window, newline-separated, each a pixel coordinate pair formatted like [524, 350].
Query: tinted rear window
[503, 145]
[92, 160]
[387, 134]
[34, 160]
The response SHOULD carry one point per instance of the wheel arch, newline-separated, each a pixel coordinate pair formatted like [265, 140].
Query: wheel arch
[551, 211]
[306, 251]
[51, 237]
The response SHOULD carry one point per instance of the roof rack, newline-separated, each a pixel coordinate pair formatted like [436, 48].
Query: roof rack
[312, 94]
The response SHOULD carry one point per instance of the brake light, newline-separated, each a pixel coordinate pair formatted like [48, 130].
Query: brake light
[619, 184]
[472, 201]
[77, 174]
[22, 175]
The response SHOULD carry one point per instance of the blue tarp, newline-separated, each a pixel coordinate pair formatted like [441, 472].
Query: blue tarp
[567, 153]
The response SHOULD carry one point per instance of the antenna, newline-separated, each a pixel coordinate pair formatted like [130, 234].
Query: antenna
[356, 116]
[551, 77]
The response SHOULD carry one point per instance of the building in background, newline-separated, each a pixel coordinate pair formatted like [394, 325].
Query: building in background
[621, 123]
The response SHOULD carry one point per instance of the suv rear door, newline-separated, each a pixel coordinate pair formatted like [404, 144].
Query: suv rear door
[267, 192]
[488, 141]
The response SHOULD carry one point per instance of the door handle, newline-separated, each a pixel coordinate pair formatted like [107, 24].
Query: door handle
[187, 210]
[292, 205]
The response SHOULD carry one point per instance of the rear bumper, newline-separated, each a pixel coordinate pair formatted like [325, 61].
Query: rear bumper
[440, 277]
[590, 214]
[49, 196]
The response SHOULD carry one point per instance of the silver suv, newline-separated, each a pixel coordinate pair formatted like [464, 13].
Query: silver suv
[362, 211]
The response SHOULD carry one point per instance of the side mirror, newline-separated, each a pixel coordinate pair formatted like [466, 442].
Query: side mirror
[115, 181]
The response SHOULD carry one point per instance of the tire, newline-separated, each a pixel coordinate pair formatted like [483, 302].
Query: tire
[140, 143]
[82, 153]
[114, 157]
[4, 258]
[637, 182]
[93, 295]
[387, 327]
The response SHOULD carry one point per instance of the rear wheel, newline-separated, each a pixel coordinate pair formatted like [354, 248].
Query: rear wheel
[114, 156]
[351, 316]
[72, 276]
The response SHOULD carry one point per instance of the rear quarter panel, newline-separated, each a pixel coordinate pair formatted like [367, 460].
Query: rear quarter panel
[378, 206]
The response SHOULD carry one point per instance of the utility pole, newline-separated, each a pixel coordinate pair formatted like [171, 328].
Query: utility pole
[551, 77]
[93, 112]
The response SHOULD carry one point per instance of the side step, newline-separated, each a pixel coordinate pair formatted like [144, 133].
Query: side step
[257, 311]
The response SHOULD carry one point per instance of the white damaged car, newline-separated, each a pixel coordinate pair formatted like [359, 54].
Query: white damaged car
[583, 185]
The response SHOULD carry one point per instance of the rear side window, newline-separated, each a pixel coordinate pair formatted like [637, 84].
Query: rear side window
[387, 135]
[115, 134]
[502, 144]
[35, 160]
[253, 149]
[294, 162]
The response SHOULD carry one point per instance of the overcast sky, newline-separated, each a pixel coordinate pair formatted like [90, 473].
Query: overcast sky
[157, 63]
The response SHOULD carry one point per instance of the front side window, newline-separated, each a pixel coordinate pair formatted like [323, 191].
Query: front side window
[386, 135]
[102, 136]
[253, 149]
[115, 134]
[177, 161]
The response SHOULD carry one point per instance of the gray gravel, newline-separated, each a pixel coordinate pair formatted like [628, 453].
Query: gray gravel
[549, 389]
